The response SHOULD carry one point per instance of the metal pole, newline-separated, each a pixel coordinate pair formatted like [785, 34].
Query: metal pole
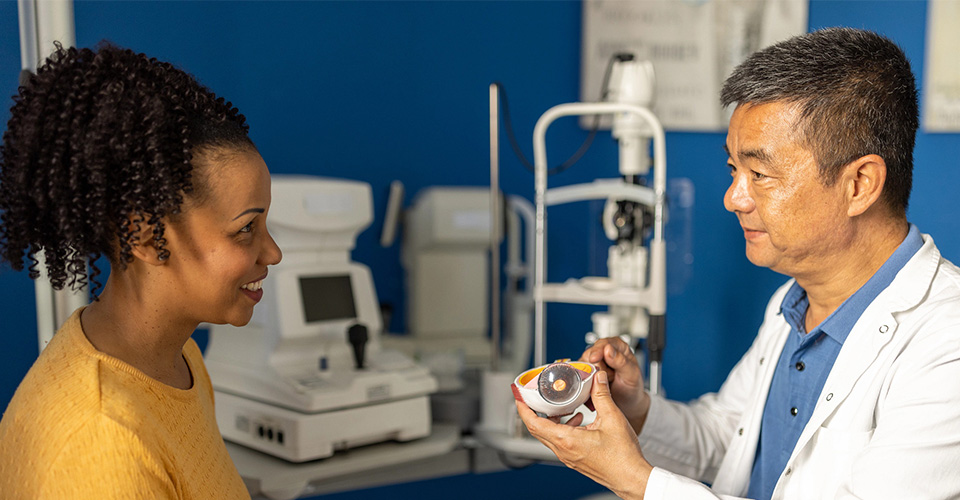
[494, 226]
[41, 23]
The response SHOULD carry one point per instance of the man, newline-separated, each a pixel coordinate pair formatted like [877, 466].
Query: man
[852, 386]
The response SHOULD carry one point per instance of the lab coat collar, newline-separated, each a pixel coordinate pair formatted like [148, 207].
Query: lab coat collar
[913, 281]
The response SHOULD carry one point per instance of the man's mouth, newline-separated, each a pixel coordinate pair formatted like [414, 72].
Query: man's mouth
[750, 233]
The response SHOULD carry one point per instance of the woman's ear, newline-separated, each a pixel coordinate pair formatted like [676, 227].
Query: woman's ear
[142, 245]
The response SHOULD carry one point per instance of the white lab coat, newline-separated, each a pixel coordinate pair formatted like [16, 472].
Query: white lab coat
[886, 425]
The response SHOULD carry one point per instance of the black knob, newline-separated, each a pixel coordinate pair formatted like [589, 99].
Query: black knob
[357, 336]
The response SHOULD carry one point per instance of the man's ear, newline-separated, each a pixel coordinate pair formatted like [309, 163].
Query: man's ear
[142, 245]
[864, 179]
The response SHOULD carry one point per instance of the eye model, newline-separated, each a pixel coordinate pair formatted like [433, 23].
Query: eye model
[555, 389]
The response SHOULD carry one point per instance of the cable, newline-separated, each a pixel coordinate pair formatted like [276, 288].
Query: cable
[584, 146]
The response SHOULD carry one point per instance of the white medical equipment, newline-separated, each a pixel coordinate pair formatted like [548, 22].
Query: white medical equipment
[446, 258]
[635, 291]
[447, 262]
[291, 382]
[634, 216]
[445, 255]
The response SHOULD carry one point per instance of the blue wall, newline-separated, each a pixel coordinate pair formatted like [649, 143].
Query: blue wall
[378, 91]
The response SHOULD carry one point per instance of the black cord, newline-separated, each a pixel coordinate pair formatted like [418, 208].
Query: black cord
[584, 146]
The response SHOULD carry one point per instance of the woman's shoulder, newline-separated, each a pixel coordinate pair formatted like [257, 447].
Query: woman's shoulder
[57, 400]
[58, 394]
[66, 392]
[64, 416]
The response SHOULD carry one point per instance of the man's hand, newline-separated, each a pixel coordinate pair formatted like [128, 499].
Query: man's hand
[605, 451]
[614, 357]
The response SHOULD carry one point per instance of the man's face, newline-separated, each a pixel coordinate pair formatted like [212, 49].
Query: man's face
[792, 223]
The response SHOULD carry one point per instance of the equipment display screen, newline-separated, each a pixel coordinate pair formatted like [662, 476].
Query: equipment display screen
[327, 298]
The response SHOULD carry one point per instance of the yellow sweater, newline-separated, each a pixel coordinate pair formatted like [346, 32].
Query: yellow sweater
[84, 425]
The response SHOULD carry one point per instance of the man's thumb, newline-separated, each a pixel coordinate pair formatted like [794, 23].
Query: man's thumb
[600, 392]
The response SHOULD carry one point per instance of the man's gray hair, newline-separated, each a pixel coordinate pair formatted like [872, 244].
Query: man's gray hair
[856, 95]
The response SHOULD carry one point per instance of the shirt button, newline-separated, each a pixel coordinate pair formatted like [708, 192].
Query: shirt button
[794, 411]
[800, 366]
[829, 396]
[740, 431]
[788, 472]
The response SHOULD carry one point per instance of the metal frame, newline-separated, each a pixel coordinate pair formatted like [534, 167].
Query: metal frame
[657, 246]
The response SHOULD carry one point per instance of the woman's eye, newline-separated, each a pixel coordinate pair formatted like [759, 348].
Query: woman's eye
[248, 228]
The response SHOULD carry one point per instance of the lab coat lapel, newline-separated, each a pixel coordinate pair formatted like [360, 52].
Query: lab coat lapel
[733, 476]
[875, 329]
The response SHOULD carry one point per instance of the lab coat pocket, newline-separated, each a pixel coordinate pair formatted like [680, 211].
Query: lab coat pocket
[832, 455]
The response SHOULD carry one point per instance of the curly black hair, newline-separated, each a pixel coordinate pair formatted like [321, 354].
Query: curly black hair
[98, 143]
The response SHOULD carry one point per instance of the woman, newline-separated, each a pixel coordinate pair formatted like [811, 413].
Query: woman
[110, 153]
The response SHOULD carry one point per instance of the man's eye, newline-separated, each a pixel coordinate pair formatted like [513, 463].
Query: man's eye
[758, 176]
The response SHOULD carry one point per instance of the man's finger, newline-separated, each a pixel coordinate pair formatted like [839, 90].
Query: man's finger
[600, 392]
[542, 429]
[615, 357]
[525, 412]
[593, 354]
[576, 420]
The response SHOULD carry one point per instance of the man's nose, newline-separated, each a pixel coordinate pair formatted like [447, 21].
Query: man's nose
[738, 197]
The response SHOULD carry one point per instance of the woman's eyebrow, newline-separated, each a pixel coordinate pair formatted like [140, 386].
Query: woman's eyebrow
[250, 210]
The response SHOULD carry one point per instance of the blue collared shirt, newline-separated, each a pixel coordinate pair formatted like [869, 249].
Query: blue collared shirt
[804, 364]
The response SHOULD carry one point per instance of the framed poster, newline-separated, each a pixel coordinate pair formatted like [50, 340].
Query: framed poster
[693, 46]
[941, 84]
